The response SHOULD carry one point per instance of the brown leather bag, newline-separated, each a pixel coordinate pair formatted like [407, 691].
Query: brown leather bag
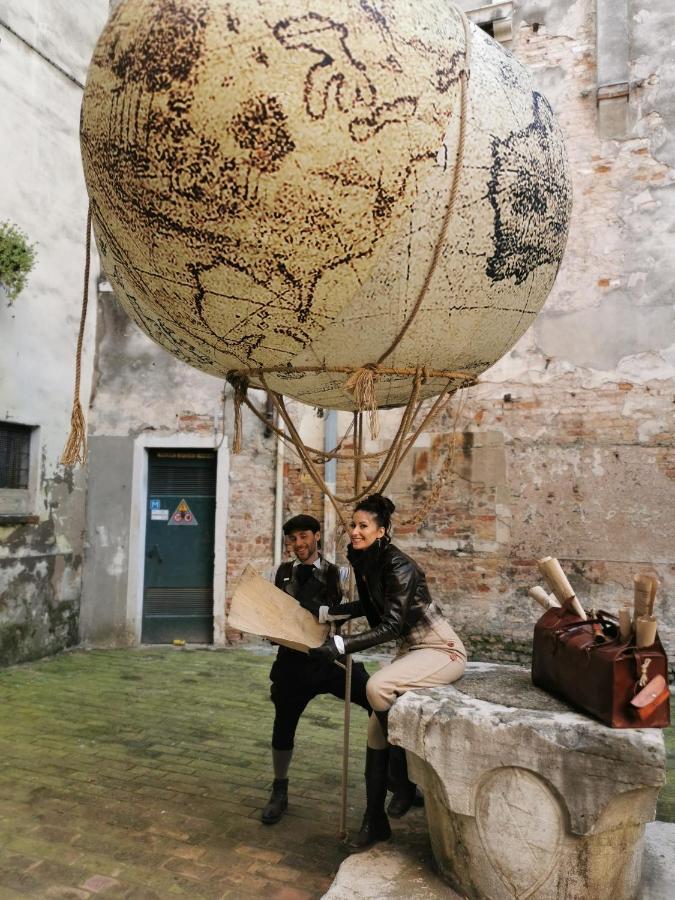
[585, 663]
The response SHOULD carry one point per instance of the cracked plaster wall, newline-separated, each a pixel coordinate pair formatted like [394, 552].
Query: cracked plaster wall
[43, 193]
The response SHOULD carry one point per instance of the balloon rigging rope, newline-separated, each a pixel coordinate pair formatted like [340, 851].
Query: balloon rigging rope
[454, 187]
[75, 450]
[403, 442]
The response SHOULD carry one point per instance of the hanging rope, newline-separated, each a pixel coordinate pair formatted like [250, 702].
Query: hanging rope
[239, 383]
[408, 431]
[311, 466]
[75, 450]
[363, 382]
[454, 187]
[319, 455]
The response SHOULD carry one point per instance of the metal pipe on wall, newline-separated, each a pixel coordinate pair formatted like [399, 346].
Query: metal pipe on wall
[330, 428]
[279, 499]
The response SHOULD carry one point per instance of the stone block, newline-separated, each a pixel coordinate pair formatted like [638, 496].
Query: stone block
[398, 873]
[388, 873]
[524, 797]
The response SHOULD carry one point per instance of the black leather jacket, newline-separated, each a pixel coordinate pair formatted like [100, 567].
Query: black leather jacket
[393, 595]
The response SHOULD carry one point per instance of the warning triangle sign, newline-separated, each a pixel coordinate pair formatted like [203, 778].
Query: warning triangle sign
[183, 515]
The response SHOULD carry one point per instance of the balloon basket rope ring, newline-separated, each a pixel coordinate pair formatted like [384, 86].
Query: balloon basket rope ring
[414, 420]
[467, 378]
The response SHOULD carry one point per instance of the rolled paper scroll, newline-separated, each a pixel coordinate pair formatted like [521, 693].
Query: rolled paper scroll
[552, 571]
[645, 631]
[546, 601]
[625, 623]
[642, 585]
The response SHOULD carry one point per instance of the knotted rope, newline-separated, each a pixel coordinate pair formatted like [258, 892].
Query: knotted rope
[361, 384]
[239, 383]
[75, 450]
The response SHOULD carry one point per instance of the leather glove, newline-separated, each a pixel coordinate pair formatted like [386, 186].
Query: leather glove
[327, 652]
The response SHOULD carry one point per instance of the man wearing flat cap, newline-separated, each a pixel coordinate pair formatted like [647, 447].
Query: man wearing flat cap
[296, 678]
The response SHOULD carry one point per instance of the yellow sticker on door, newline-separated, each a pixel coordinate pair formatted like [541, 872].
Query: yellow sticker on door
[183, 515]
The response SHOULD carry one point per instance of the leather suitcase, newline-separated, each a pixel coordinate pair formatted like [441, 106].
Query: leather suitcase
[585, 663]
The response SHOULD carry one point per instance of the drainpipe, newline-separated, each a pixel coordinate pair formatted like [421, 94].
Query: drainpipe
[330, 475]
[613, 68]
[279, 498]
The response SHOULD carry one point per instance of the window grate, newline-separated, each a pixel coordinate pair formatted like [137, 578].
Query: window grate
[174, 472]
[14, 455]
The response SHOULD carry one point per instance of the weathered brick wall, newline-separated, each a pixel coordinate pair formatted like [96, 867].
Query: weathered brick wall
[250, 524]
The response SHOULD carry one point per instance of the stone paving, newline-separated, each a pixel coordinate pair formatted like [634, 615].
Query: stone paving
[141, 774]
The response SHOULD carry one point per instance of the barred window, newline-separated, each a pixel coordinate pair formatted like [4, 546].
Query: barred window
[14, 455]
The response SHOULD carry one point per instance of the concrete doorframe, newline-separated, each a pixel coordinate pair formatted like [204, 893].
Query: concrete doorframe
[138, 519]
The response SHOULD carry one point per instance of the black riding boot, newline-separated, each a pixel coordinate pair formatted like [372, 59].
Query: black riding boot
[403, 789]
[278, 802]
[375, 825]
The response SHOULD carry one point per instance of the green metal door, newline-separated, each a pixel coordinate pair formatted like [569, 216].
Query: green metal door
[179, 540]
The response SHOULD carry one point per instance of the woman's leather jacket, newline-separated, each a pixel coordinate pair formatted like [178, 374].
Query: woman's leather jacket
[393, 595]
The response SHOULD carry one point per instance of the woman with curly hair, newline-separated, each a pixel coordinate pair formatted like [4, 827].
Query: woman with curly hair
[393, 596]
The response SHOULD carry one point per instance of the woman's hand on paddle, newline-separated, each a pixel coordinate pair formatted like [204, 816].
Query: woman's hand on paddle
[327, 652]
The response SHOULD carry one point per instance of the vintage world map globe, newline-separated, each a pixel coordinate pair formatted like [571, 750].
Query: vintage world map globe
[269, 182]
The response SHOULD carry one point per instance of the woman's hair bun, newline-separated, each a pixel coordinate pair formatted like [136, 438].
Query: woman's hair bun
[381, 507]
[384, 503]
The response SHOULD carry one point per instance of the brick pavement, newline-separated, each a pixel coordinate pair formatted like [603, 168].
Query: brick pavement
[141, 774]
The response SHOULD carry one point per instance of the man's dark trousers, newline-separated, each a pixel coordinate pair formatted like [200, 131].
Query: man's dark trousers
[296, 679]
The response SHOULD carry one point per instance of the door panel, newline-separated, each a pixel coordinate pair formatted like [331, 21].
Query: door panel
[179, 542]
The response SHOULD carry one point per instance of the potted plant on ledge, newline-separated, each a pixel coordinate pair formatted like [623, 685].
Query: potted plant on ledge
[17, 258]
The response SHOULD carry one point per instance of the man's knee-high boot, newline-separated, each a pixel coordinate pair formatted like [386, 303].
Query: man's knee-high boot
[375, 825]
[403, 789]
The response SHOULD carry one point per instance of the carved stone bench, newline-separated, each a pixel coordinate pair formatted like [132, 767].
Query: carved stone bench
[524, 797]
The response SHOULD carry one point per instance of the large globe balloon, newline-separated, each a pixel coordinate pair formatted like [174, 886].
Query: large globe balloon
[269, 182]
